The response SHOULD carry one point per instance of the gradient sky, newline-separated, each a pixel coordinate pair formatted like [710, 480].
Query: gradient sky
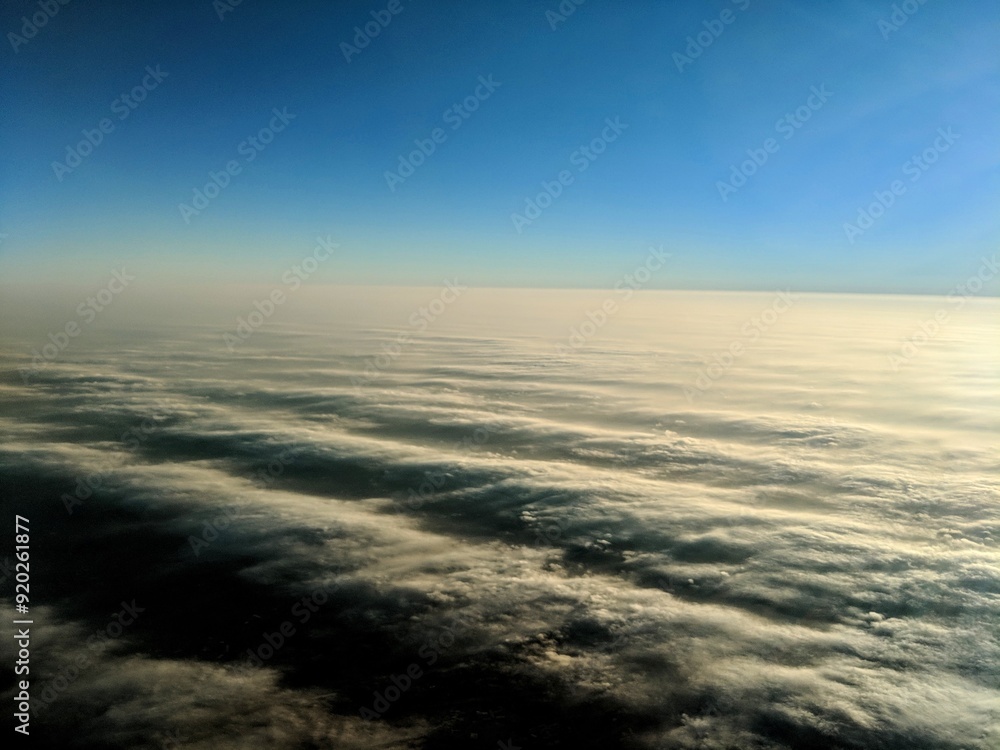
[655, 185]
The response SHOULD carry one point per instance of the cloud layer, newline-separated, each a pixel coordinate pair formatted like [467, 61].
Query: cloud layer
[567, 549]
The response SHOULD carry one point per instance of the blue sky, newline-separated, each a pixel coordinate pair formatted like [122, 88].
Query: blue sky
[891, 93]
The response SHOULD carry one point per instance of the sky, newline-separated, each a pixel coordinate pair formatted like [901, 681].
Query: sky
[866, 94]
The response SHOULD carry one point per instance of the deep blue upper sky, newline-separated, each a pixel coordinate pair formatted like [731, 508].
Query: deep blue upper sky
[656, 184]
